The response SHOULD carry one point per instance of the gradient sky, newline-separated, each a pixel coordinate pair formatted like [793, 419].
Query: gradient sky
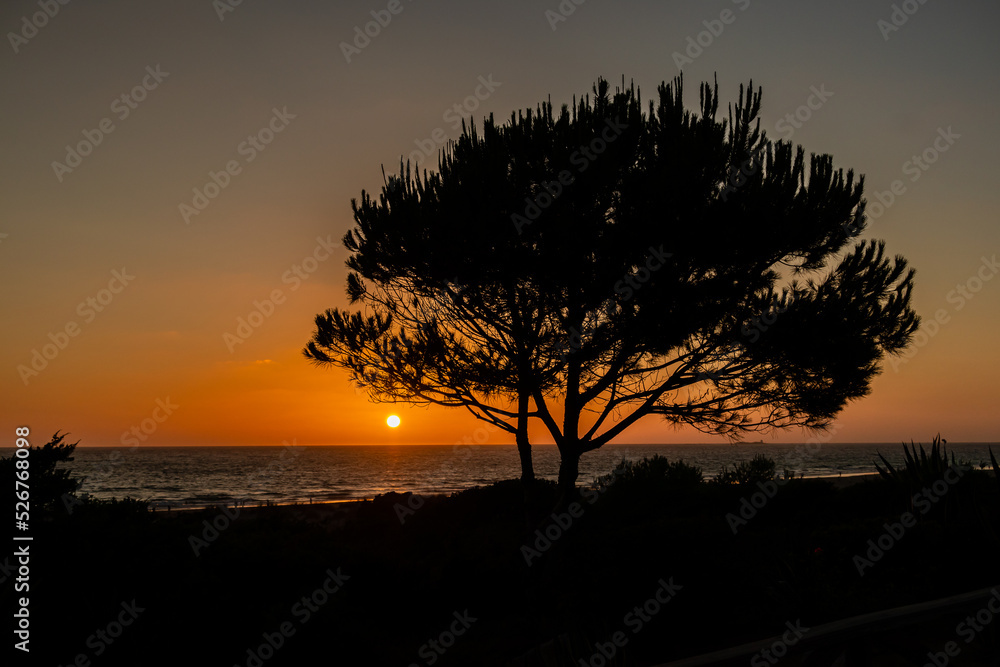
[162, 335]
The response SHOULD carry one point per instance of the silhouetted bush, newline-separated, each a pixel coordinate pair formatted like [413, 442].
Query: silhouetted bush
[758, 469]
[937, 477]
[655, 470]
[48, 482]
[922, 470]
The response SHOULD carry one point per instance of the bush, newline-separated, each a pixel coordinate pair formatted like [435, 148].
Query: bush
[922, 470]
[655, 470]
[48, 483]
[758, 469]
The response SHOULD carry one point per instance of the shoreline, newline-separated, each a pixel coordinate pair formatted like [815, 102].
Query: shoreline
[838, 481]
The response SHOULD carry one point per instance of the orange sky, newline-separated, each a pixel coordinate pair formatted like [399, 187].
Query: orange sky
[162, 335]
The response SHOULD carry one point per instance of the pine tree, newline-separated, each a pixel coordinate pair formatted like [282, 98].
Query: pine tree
[613, 264]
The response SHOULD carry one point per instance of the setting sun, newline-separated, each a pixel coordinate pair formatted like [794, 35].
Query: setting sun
[392, 421]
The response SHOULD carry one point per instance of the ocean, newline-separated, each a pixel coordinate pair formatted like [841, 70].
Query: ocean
[204, 476]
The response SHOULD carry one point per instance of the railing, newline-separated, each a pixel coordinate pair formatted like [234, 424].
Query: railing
[875, 639]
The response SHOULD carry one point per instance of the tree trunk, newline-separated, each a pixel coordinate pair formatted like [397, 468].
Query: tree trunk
[569, 470]
[521, 437]
[569, 448]
[524, 451]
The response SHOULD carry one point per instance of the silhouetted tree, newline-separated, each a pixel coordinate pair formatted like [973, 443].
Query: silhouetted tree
[620, 264]
[449, 321]
[49, 484]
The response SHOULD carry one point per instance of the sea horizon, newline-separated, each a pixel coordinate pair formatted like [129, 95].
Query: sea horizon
[201, 476]
[293, 443]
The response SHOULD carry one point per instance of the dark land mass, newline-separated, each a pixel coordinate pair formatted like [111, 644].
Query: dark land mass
[486, 578]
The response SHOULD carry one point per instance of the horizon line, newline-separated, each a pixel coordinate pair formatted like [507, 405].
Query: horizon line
[543, 444]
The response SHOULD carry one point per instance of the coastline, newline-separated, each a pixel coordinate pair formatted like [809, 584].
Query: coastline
[327, 510]
[193, 478]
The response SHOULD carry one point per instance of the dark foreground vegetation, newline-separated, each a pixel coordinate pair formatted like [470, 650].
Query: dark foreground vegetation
[652, 564]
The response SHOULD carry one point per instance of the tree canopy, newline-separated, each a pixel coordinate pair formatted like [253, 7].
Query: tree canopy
[606, 263]
[50, 484]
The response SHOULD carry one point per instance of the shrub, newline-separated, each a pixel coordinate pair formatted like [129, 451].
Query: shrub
[919, 471]
[655, 470]
[758, 469]
[49, 483]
